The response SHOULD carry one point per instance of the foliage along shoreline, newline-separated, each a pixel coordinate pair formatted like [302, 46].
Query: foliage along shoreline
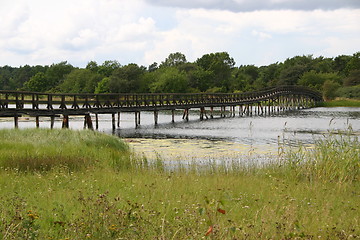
[97, 190]
[340, 103]
[214, 72]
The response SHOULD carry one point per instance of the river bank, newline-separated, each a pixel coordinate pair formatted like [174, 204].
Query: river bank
[340, 103]
[115, 194]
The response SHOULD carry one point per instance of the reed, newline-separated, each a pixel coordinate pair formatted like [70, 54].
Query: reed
[219, 199]
[44, 149]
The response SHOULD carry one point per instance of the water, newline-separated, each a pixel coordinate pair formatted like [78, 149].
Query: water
[239, 137]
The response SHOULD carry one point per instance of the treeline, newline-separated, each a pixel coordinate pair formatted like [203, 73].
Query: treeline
[214, 72]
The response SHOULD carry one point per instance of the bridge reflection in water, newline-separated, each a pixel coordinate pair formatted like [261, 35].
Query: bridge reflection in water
[268, 101]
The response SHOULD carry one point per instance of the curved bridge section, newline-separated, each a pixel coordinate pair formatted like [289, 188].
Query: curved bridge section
[16, 104]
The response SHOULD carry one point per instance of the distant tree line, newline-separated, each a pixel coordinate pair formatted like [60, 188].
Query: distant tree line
[214, 72]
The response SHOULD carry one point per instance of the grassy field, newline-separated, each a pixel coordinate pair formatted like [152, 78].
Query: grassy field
[62, 184]
[341, 103]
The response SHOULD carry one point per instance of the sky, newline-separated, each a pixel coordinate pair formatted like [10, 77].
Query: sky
[259, 32]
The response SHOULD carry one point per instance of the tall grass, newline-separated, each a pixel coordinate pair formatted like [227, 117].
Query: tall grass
[306, 196]
[42, 150]
[335, 158]
[340, 103]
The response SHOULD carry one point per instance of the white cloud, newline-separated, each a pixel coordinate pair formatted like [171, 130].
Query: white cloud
[45, 31]
[254, 5]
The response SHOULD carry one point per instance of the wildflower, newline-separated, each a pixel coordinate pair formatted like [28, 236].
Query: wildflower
[221, 210]
[32, 215]
[113, 228]
[209, 231]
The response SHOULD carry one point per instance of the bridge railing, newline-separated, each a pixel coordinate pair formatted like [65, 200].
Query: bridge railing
[49, 101]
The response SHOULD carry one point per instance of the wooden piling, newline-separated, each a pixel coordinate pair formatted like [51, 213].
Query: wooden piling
[52, 122]
[96, 121]
[186, 114]
[118, 123]
[16, 121]
[156, 117]
[89, 122]
[37, 120]
[65, 123]
[113, 121]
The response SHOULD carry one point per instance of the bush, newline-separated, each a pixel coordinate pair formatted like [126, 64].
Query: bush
[329, 89]
[349, 92]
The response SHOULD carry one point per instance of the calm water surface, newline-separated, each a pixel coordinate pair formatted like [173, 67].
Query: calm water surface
[256, 137]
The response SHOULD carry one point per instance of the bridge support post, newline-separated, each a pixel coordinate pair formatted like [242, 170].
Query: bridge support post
[156, 117]
[118, 124]
[96, 121]
[186, 114]
[52, 121]
[16, 121]
[202, 111]
[137, 119]
[88, 122]
[211, 112]
[65, 123]
[113, 121]
[37, 120]
[173, 115]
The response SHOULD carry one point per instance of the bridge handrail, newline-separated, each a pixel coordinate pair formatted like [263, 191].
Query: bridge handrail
[37, 100]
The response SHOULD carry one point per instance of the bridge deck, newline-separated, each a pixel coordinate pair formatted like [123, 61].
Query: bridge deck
[17, 103]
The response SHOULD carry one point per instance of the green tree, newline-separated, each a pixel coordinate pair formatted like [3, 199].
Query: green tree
[329, 89]
[339, 63]
[353, 64]
[103, 86]
[108, 67]
[93, 66]
[56, 73]
[293, 68]
[171, 80]
[127, 79]
[221, 65]
[37, 83]
[353, 79]
[80, 81]
[173, 60]
[316, 80]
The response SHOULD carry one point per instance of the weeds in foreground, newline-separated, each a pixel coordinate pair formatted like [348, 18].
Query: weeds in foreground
[109, 199]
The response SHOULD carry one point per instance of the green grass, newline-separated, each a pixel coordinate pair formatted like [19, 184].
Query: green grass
[308, 194]
[341, 103]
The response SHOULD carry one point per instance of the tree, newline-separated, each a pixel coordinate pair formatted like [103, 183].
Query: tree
[127, 79]
[103, 86]
[108, 67]
[37, 83]
[353, 64]
[221, 65]
[353, 79]
[340, 63]
[171, 80]
[56, 73]
[153, 67]
[174, 59]
[93, 66]
[199, 79]
[329, 89]
[316, 80]
[80, 81]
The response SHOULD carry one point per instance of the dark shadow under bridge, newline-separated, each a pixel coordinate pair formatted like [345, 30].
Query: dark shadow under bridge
[15, 104]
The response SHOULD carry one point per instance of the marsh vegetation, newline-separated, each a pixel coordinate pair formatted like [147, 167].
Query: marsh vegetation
[64, 184]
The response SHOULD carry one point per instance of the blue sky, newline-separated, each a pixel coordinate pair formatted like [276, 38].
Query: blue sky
[257, 32]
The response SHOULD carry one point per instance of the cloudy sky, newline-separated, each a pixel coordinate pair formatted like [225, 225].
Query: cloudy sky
[257, 32]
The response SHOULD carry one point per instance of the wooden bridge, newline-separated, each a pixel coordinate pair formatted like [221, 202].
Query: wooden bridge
[15, 104]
